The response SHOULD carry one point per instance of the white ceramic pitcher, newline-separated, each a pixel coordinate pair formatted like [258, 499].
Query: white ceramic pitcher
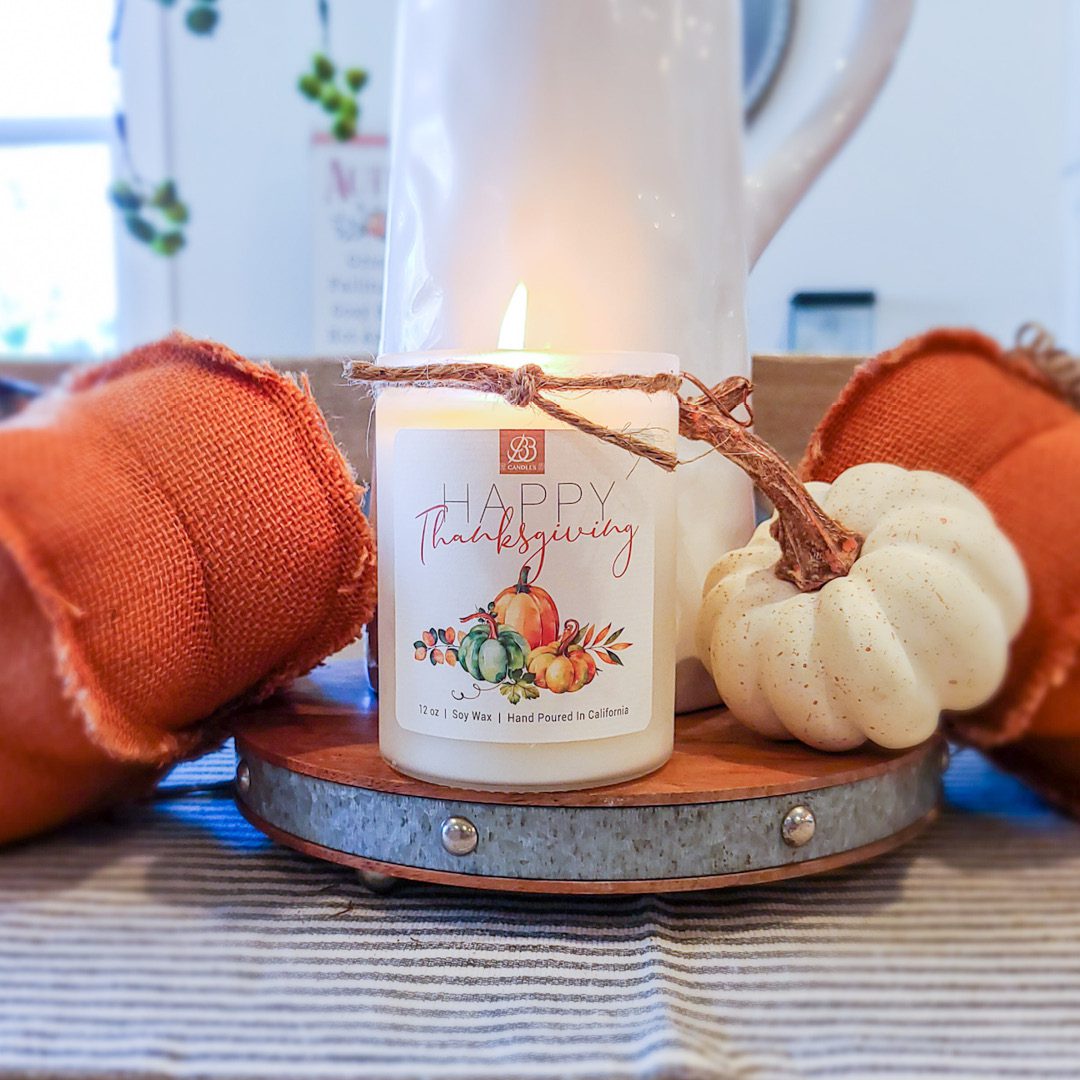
[593, 150]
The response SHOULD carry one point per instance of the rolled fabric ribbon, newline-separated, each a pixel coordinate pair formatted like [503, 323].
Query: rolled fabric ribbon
[178, 535]
[955, 402]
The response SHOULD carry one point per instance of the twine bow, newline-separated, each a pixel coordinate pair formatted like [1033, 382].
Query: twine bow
[1036, 344]
[529, 385]
[814, 548]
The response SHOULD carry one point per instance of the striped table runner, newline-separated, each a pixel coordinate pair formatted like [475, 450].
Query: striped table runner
[180, 943]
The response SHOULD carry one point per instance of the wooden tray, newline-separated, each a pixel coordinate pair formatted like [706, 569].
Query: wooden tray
[728, 809]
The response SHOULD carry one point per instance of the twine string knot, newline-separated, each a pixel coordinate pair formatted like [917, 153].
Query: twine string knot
[523, 385]
[526, 386]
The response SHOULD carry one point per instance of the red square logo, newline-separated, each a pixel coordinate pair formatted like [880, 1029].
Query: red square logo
[521, 452]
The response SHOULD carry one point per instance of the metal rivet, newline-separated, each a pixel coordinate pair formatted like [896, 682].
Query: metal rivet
[243, 777]
[375, 882]
[459, 836]
[798, 826]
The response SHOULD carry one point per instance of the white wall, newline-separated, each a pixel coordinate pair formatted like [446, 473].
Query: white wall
[239, 134]
[950, 202]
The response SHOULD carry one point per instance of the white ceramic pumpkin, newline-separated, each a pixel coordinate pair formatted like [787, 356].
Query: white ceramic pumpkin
[920, 621]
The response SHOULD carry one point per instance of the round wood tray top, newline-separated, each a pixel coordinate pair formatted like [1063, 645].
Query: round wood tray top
[311, 777]
[327, 727]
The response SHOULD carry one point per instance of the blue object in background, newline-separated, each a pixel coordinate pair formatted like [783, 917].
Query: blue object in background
[14, 393]
[832, 323]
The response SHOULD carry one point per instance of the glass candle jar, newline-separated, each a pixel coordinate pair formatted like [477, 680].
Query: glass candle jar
[526, 581]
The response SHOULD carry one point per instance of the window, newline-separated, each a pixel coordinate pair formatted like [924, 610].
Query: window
[57, 246]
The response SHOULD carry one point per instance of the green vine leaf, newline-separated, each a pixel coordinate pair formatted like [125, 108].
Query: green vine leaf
[519, 686]
[168, 243]
[201, 19]
[320, 86]
[140, 228]
[152, 215]
[124, 197]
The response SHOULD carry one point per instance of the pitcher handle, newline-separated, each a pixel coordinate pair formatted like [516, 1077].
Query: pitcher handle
[860, 72]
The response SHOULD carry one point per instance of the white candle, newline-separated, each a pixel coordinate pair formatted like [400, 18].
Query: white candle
[595, 149]
[526, 581]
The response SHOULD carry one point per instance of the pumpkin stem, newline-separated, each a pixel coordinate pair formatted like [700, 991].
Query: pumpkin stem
[814, 549]
[492, 625]
[523, 579]
[570, 629]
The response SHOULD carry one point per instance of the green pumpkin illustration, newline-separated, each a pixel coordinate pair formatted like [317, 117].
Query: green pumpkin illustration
[489, 652]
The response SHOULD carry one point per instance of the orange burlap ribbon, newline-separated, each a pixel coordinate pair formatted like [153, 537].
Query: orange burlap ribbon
[954, 402]
[178, 534]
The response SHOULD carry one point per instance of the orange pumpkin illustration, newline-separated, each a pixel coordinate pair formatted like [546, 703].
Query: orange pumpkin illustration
[561, 667]
[529, 610]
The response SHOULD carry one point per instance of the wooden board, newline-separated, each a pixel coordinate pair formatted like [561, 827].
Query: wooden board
[328, 727]
[792, 393]
[315, 751]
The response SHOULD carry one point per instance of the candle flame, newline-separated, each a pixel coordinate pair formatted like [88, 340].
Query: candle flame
[512, 331]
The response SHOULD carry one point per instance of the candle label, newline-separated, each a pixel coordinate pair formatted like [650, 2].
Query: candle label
[524, 579]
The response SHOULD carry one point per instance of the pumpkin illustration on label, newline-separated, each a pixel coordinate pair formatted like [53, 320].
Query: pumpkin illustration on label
[529, 610]
[562, 667]
[489, 651]
[498, 652]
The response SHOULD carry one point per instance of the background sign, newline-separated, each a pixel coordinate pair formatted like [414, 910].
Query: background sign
[349, 189]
